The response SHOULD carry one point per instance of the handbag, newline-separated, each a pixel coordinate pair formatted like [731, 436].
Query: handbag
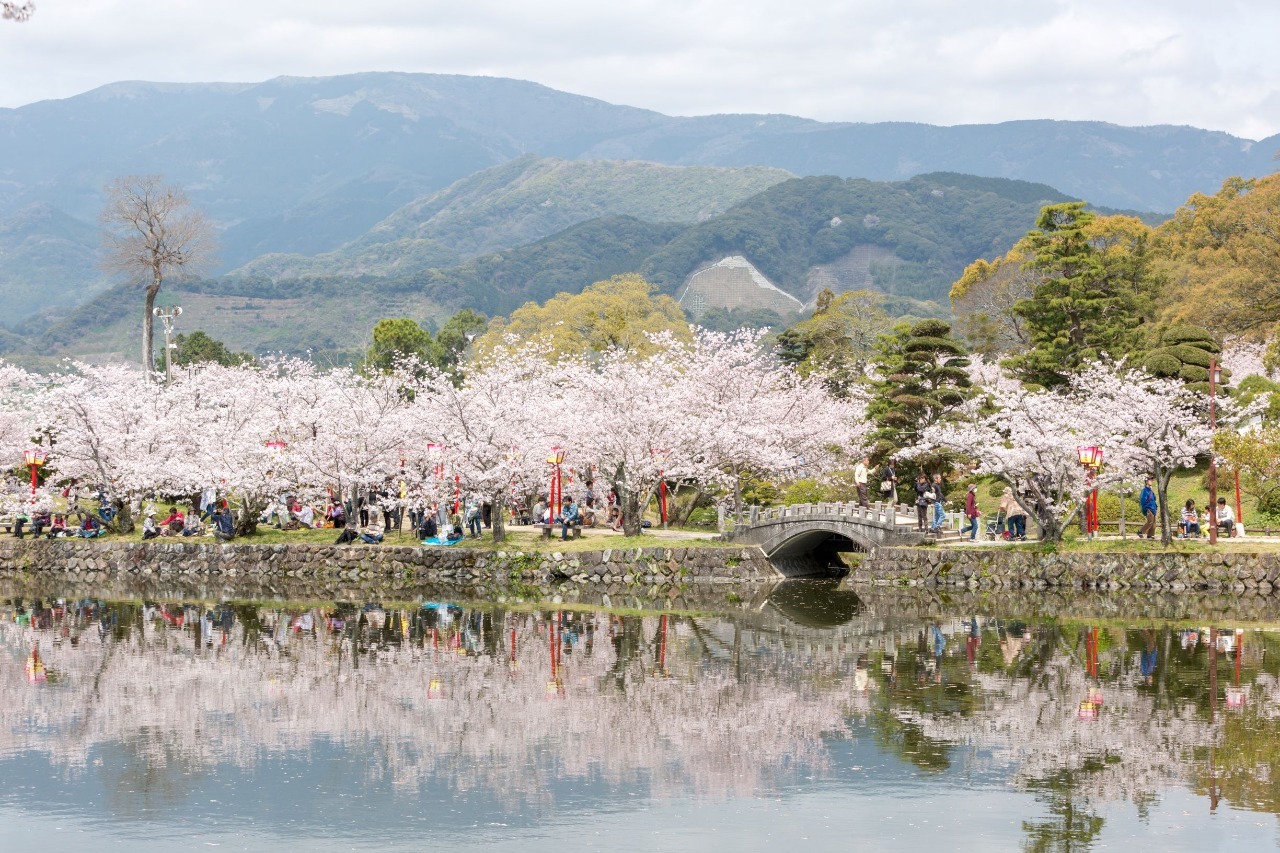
[886, 486]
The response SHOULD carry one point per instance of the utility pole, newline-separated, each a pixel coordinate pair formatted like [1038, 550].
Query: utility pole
[1213, 462]
[167, 316]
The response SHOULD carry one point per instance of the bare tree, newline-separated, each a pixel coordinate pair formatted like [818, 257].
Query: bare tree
[153, 232]
[14, 12]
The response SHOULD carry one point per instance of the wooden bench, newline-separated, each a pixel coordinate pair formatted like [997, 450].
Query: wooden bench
[575, 531]
[6, 524]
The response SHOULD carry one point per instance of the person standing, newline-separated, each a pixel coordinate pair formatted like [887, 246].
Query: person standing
[861, 472]
[971, 513]
[889, 483]
[939, 509]
[924, 500]
[1147, 503]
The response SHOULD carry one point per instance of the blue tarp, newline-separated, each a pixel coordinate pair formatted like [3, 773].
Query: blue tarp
[436, 540]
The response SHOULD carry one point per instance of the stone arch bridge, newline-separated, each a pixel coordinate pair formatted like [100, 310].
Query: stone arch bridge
[804, 540]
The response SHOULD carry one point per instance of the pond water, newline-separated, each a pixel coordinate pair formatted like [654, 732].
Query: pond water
[817, 718]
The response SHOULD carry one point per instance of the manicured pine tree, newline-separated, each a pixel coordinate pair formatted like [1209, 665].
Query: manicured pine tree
[923, 377]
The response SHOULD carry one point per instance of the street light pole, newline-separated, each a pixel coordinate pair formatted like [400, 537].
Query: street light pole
[1213, 463]
[167, 316]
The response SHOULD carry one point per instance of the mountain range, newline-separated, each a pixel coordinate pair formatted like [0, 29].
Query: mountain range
[438, 179]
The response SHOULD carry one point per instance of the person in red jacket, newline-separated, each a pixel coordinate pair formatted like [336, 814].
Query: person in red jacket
[971, 512]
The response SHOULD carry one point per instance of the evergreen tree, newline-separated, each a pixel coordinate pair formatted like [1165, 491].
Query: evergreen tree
[923, 376]
[1090, 299]
[1186, 352]
[198, 347]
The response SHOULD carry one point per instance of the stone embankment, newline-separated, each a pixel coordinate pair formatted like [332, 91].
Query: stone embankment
[680, 577]
[977, 568]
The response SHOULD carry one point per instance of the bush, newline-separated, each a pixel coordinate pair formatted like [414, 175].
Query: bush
[1109, 507]
[705, 516]
[1182, 334]
[1162, 364]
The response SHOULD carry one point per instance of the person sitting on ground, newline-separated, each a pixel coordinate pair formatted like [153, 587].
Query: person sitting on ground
[307, 516]
[428, 527]
[455, 534]
[149, 529]
[615, 518]
[90, 528]
[348, 535]
[336, 514]
[373, 532]
[223, 527]
[1226, 518]
[1190, 520]
[172, 525]
[59, 526]
[191, 525]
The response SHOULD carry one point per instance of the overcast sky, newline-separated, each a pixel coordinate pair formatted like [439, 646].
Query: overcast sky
[1208, 64]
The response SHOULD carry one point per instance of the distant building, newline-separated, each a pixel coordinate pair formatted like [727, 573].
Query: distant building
[733, 282]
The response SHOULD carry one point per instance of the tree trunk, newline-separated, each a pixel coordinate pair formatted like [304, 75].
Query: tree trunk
[1163, 476]
[123, 520]
[250, 511]
[496, 522]
[630, 512]
[148, 325]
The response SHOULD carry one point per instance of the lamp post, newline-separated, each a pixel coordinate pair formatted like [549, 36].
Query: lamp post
[1091, 459]
[555, 459]
[33, 459]
[661, 456]
[1215, 373]
[167, 316]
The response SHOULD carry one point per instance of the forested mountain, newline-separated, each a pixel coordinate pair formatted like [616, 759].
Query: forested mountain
[306, 164]
[522, 201]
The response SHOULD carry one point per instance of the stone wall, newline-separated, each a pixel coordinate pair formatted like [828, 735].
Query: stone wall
[681, 577]
[995, 568]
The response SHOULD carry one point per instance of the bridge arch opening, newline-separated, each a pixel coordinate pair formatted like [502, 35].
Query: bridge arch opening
[815, 554]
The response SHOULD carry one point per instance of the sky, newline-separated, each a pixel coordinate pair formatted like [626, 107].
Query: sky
[1136, 62]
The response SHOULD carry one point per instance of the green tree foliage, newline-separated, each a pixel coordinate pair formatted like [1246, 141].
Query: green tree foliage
[923, 377]
[1185, 352]
[839, 340]
[200, 348]
[1092, 297]
[621, 312]
[455, 336]
[399, 338]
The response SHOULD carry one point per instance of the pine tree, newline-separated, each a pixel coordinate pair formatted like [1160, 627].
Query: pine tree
[923, 376]
[1088, 302]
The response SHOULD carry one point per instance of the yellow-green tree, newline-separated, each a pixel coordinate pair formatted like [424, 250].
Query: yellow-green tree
[1222, 257]
[982, 301]
[840, 338]
[621, 312]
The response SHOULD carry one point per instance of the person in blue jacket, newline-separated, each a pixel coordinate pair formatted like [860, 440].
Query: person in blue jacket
[1147, 502]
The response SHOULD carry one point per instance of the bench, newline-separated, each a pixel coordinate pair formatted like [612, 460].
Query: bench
[575, 531]
[6, 524]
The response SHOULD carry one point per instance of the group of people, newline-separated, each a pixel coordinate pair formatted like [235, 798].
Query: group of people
[215, 519]
[1188, 521]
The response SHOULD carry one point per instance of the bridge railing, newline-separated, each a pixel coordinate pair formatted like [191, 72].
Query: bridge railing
[880, 512]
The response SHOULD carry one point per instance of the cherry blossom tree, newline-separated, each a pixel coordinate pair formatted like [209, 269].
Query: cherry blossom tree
[497, 425]
[112, 428]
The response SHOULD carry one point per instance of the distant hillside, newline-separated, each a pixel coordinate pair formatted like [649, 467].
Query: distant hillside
[910, 239]
[520, 202]
[48, 261]
[337, 313]
[304, 165]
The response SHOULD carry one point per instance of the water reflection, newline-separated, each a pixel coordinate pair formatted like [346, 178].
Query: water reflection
[528, 711]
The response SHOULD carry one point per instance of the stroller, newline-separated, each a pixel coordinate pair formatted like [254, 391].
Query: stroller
[998, 529]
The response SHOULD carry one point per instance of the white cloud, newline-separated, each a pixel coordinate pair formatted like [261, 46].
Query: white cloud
[938, 61]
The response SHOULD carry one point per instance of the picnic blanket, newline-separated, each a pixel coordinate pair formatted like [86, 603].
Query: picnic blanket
[436, 540]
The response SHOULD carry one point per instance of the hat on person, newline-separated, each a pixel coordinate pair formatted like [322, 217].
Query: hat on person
[150, 513]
